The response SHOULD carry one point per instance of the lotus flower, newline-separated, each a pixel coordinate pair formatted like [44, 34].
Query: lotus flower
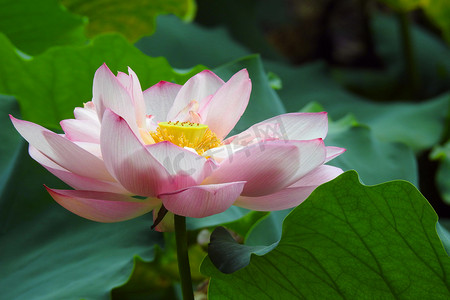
[128, 151]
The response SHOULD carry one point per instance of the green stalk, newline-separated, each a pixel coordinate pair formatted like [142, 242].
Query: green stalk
[408, 55]
[183, 258]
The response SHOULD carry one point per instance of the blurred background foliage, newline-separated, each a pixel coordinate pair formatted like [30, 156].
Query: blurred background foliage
[380, 68]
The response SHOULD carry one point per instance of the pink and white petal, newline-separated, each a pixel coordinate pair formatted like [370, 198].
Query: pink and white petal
[43, 160]
[81, 113]
[76, 181]
[291, 126]
[196, 88]
[124, 79]
[222, 152]
[102, 206]
[151, 124]
[109, 93]
[318, 176]
[138, 99]
[185, 114]
[159, 99]
[202, 111]
[81, 130]
[185, 167]
[228, 104]
[293, 195]
[93, 148]
[128, 159]
[333, 152]
[202, 200]
[62, 151]
[84, 183]
[267, 167]
[75, 158]
[312, 155]
[286, 198]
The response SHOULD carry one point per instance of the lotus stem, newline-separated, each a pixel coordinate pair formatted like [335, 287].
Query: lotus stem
[183, 258]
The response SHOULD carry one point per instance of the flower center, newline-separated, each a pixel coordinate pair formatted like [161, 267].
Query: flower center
[186, 134]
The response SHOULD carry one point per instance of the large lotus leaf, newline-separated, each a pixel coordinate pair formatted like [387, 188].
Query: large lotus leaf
[34, 26]
[133, 19]
[51, 85]
[347, 241]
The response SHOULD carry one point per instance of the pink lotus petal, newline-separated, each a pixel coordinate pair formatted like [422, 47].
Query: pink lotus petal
[222, 152]
[124, 79]
[81, 113]
[93, 148]
[151, 124]
[202, 200]
[102, 206]
[43, 160]
[75, 158]
[292, 195]
[159, 99]
[76, 181]
[138, 99]
[203, 109]
[186, 168]
[109, 93]
[62, 151]
[228, 104]
[333, 152]
[196, 88]
[286, 198]
[266, 168]
[81, 130]
[312, 155]
[128, 159]
[132, 85]
[318, 176]
[292, 126]
[270, 166]
[186, 113]
[108, 154]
